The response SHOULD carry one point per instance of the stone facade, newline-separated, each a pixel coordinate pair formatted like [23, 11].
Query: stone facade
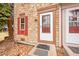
[30, 10]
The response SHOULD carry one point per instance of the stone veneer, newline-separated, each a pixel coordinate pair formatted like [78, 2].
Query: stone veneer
[31, 11]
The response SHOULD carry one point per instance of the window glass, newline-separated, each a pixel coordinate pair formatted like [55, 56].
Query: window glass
[46, 23]
[22, 24]
[74, 21]
[22, 20]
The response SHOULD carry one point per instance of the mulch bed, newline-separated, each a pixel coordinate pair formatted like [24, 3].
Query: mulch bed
[10, 48]
[62, 52]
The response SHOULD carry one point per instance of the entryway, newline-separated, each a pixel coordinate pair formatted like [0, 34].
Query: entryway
[71, 30]
[71, 25]
[43, 49]
[46, 26]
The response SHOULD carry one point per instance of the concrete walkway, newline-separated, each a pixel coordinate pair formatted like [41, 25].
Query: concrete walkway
[51, 51]
[72, 49]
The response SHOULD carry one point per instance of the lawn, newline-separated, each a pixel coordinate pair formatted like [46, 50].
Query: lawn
[3, 35]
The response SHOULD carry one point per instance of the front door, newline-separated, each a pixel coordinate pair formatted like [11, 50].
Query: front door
[46, 26]
[72, 25]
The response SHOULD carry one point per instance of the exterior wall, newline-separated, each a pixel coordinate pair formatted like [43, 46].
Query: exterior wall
[31, 11]
[69, 5]
[57, 26]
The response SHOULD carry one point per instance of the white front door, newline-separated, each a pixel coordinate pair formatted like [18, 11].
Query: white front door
[72, 25]
[46, 26]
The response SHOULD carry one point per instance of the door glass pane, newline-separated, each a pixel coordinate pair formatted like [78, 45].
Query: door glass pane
[74, 21]
[78, 24]
[46, 23]
[70, 24]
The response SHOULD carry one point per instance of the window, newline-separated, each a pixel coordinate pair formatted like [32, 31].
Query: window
[22, 23]
[46, 23]
[74, 21]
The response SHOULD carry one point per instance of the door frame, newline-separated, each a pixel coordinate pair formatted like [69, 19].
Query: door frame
[47, 9]
[63, 24]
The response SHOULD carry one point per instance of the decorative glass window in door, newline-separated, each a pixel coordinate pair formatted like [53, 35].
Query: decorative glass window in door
[74, 21]
[46, 23]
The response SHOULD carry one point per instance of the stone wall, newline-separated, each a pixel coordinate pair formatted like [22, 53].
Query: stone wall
[31, 11]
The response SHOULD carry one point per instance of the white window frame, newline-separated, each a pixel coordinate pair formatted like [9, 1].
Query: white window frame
[22, 23]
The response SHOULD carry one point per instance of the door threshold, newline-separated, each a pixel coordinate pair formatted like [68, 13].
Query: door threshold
[28, 43]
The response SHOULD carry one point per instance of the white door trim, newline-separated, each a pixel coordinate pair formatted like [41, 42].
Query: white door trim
[65, 33]
[47, 36]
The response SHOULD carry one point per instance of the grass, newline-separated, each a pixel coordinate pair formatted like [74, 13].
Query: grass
[3, 35]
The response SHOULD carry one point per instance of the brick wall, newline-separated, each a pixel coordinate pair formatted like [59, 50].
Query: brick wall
[31, 11]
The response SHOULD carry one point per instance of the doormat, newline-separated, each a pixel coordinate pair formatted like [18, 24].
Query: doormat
[74, 49]
[40, 52]
[42, 46]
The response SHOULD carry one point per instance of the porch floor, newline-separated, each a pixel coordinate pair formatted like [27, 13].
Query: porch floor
[43, 49]
[72, 49]
[10, 48]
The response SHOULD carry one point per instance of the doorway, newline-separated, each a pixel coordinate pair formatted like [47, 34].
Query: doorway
[46, 27]
[71, 25]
